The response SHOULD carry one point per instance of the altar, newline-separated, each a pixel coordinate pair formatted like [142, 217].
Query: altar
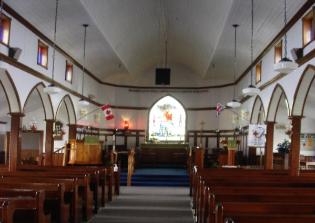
[162, 155]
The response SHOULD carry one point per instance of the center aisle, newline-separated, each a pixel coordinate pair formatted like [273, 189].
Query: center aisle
[148, 205]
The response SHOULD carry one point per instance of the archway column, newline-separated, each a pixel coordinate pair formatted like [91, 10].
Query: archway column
[295, 145]
[72, 131]
[269, 146]
[14, 141]
[49, 144]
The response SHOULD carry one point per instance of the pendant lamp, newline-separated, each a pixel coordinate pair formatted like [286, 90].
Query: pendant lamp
[234, 103]
[83, 102]
[285, 65]
[51, 88]
[251, 90]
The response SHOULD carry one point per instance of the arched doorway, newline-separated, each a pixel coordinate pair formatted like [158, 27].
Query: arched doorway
[167, 121]
[37, 109]
[303, 107]
[65, 116]
[279, 113]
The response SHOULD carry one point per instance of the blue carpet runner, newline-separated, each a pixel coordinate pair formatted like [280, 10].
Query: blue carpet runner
[168, 177]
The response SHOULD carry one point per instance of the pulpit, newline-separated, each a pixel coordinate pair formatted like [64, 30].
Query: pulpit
[82, 153]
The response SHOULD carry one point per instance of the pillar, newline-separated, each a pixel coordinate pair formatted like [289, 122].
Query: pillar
[72, 131]
[295, 146]
[14, 141]
[49, 144]
[269, 146]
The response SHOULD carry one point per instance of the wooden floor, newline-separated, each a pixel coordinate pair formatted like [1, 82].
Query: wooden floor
[148, 204]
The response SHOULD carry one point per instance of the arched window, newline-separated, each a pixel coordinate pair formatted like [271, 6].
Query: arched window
[167, 120]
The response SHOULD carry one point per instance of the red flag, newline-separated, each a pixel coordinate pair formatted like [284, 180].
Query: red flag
[219, 108]
[107, 112]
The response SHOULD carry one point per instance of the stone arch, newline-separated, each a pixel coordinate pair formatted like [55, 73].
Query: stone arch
[10, 91]
[276, 95]
[45, 99]
[302, 90]
[161, 117]
[70, 109]
[258, 108]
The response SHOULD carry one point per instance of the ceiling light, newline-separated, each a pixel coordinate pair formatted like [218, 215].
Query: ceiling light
[285, 65]
[83, 102]
[251, 90]
[52, 89]
[234, 103]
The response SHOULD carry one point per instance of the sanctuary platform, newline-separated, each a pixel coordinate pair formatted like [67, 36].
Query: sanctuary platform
[163, 154]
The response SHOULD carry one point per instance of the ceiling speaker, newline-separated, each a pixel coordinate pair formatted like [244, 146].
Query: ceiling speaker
[297, 53]
[15, 52]
[162, 76]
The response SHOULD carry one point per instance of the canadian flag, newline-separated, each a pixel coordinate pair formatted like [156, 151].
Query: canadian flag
[107, 112]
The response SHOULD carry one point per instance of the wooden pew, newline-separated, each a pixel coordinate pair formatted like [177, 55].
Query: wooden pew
[202, 184]
[83, 182]
[290, 212]
[54, 196]
[16, 202]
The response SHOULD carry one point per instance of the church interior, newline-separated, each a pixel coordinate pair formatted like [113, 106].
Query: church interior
[188, 111]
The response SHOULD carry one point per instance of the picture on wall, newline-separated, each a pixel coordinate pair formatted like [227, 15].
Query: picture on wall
[257, 135]
[307, 141]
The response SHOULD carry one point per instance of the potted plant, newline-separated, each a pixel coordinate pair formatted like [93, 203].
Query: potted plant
[284, 149]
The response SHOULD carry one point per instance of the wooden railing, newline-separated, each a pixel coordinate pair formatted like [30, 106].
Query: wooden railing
[59, 157]
[131, 165]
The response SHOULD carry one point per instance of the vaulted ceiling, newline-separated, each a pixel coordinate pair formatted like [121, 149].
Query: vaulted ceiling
[126, 38]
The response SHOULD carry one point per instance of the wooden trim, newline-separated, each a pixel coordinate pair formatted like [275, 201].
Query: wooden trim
[279, 36]
[59, 105]
[258, 98]
[29, 94]
[28, 25]
[15, 90]
[299, 85]
[6, 95]
[272, 98]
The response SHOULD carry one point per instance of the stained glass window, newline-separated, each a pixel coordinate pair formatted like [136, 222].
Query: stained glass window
[167, 120]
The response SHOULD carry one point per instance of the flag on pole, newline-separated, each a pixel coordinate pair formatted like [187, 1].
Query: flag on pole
[107, 112]
[219, 109]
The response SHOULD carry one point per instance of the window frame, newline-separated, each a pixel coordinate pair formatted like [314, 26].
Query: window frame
[43, 45]
[258, 72]
[7, 19]
[308, 22]
[278, 48]
[68, 66]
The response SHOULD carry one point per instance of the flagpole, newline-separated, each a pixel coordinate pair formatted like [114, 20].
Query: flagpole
[88, 114]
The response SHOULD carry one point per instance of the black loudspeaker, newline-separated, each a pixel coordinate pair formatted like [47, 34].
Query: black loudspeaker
[297, 53]
[162, 76]
[15, 52]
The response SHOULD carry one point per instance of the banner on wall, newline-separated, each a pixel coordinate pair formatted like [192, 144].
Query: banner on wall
[256, 135]
[307, 141]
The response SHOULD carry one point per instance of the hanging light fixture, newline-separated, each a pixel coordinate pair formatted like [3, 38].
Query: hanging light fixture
[51, 88]
[285, 65]
[234, 103]
[251, 90]
[83, 102]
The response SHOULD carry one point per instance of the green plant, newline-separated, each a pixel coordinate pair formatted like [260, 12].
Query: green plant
[284, 147]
